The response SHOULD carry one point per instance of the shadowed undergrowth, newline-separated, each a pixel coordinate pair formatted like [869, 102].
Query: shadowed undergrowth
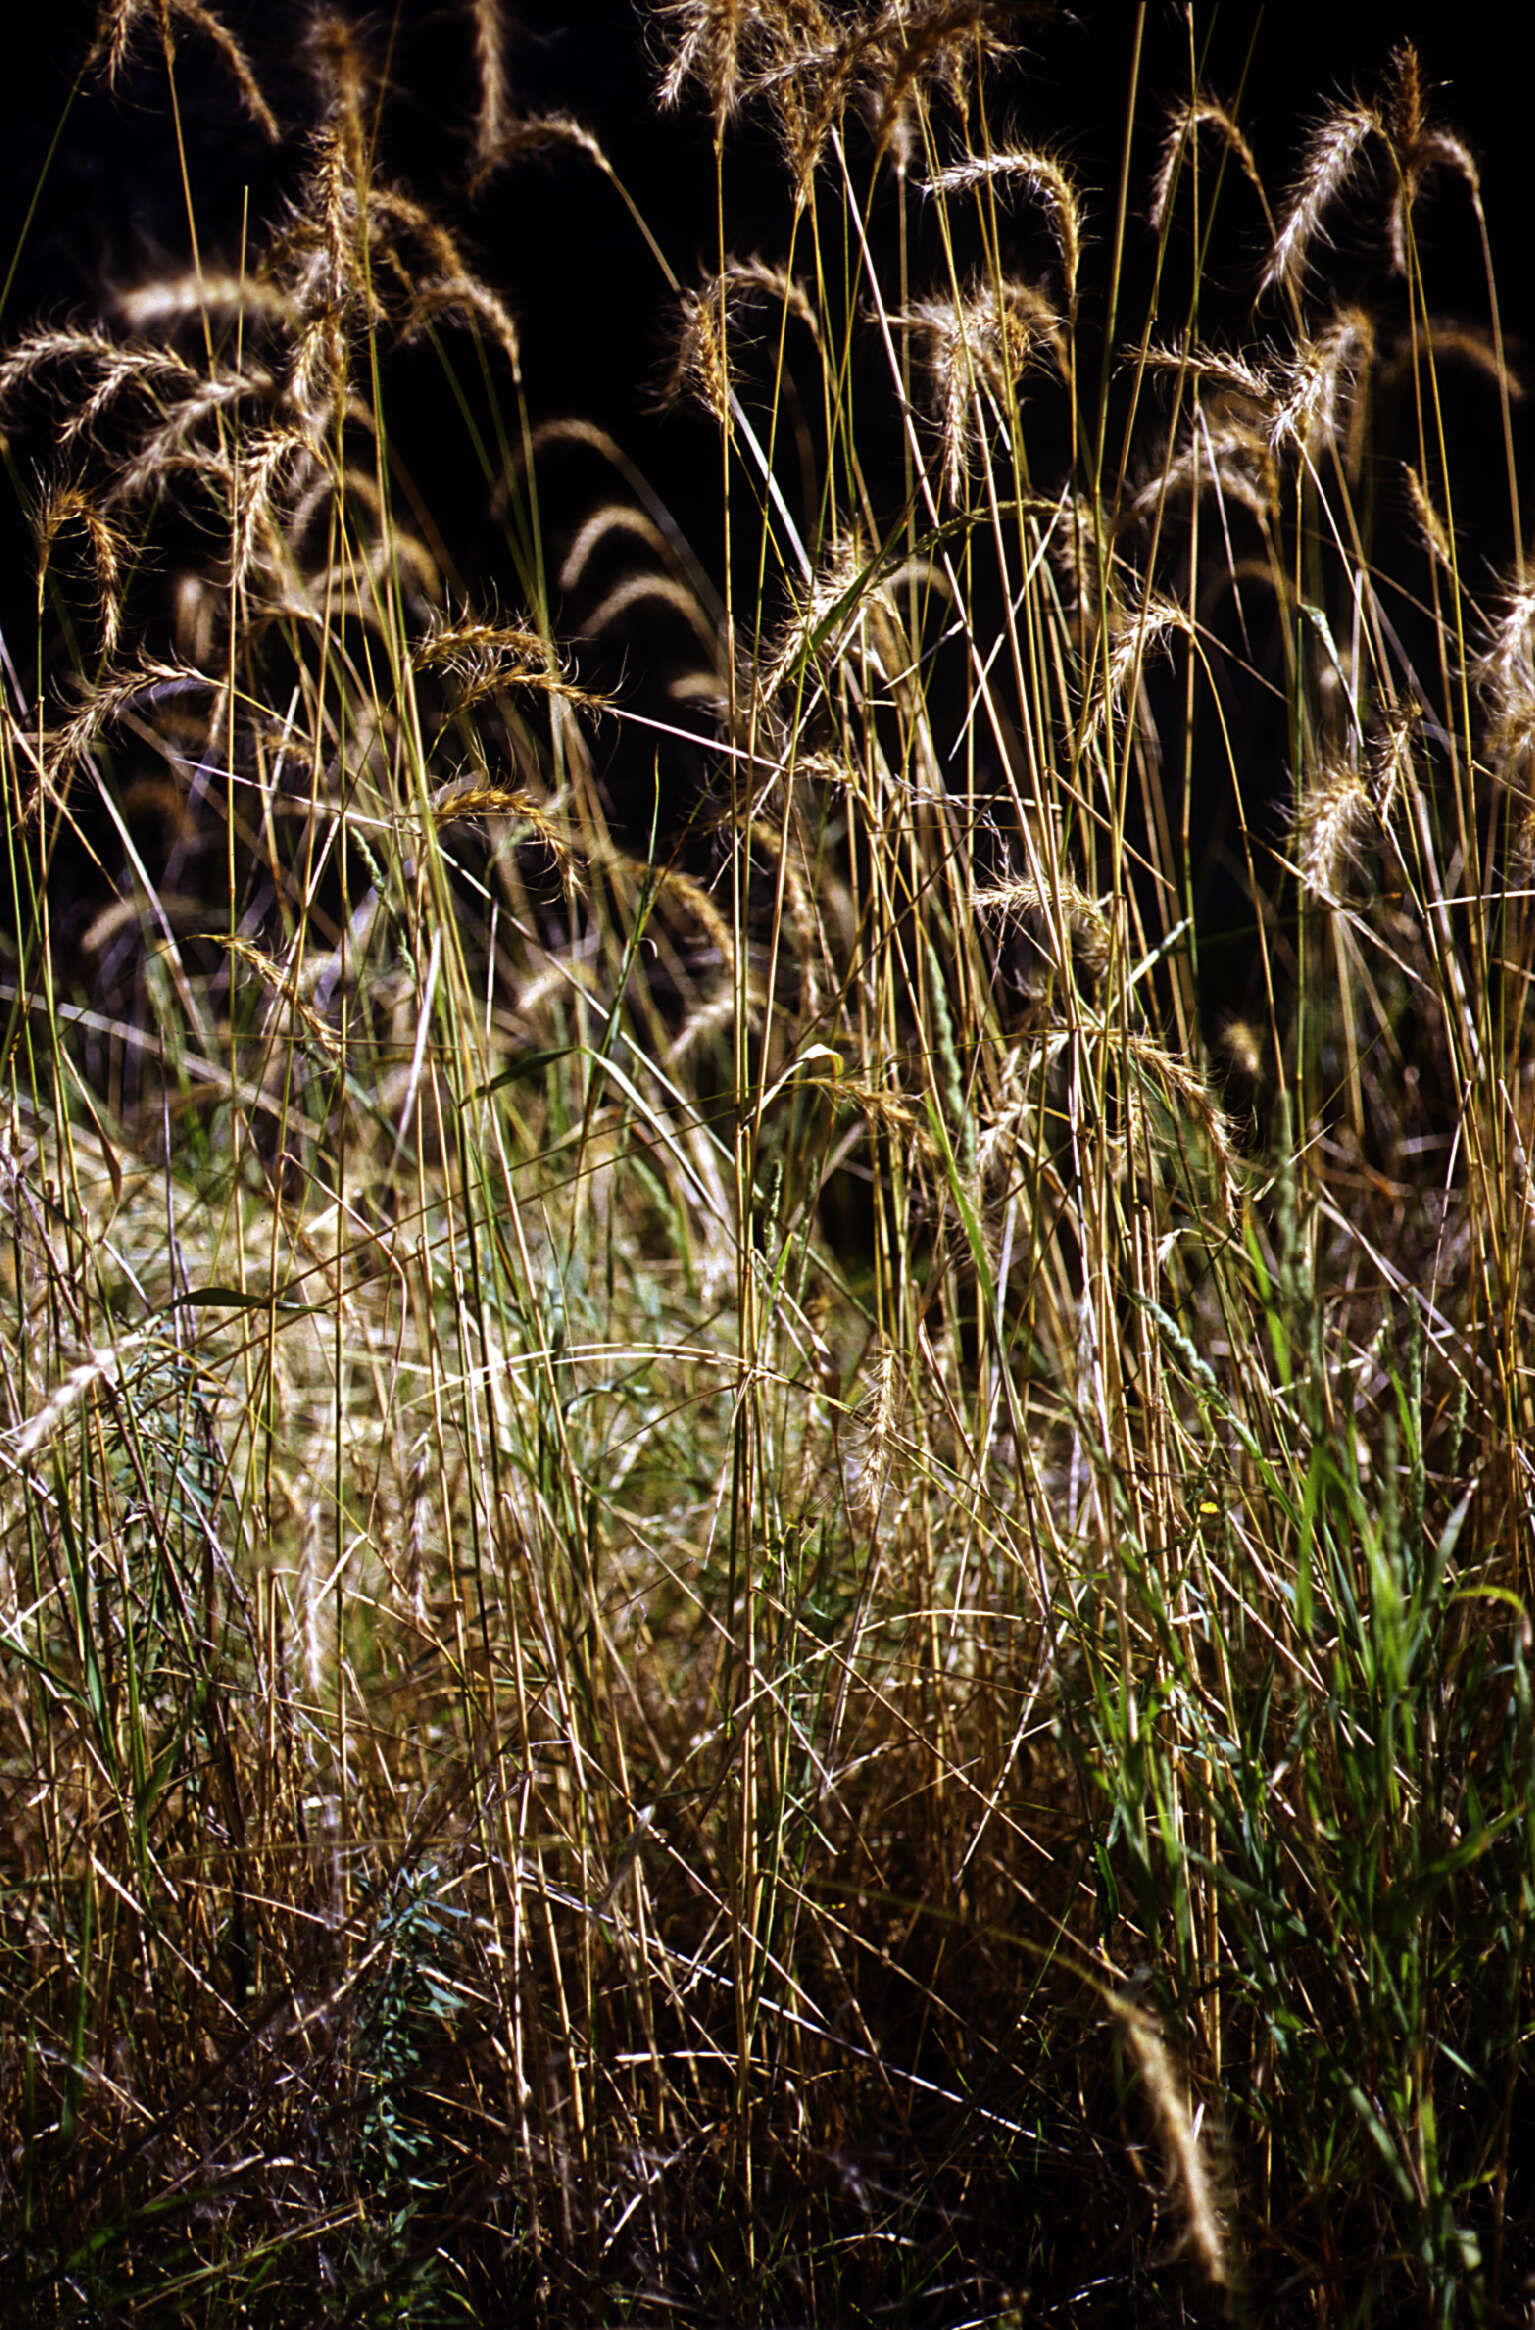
[764, 1502]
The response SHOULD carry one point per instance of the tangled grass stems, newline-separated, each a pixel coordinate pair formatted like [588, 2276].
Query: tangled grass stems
[718, 1596]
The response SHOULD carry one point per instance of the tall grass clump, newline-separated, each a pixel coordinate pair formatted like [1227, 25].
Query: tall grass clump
[764, 1491]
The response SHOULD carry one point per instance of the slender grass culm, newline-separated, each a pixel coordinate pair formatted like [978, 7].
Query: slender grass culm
[765, 1500]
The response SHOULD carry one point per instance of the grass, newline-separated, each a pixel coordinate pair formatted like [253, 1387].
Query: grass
[764, 1503]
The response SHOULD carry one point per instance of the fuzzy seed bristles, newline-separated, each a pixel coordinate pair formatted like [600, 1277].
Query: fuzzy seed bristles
[1200, 112]
[66, 505]
[981, 345]
[1333, 154]
[708, 37]
[1330, 817]
[1431, 525]
[1204, 2219]
[118, 21]
[492, 114]
[1037, 173]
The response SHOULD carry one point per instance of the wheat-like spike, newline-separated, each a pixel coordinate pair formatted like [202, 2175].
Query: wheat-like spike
[612, 518]
[100, 1366]
[1431, 526]
[280, 979]
[168, 447]
[1405, 114]
[466, 295]
[171, 299]
[748, 278]
[1064, 909]
[265, 457]
[543, 133]
[1391, 764]
[1324, 377]
[492, 114]
[114, 31]
[1506, 672]
[41, 351]
[835, 602]
[1185, 121]
[339, 66]
[1326, 825]
[118, 19]
[108, 700]
[661, 590]
[1038, 173]
[700, 366]
[705, 1020]
[1331, 158]
[984, 340]
[1243, 1046]
[1204, 2221]
[869, 1442]
[1434, 337]
[1188, 1084]
[543, 818]
[461, 642]
[1419, 146]
[1222, 368]
[1228, 457]
[70, 502]
[674, 883]
[945, 42]
[708, 42]
[215, 30]
[1146, 628]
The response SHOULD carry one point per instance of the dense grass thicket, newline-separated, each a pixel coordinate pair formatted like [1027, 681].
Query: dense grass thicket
[765, 1440]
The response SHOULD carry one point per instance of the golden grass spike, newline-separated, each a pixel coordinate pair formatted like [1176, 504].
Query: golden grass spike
[537, 133]
[708, 36]
[700, 367]
[1065, 910]
[1204, 2226]
[1324, 398]
[1405, 118]
[118, 20]
[1328, 820]
[1431, 526]
[1221, 368]
[172, 299]
[945, 43]
[983, 341]
[215, 30]
[661, 590]
[1039, 173]
[62, 505]
[112, 694]
[1185, 121]
[492, 115]
[1332, 156]
[343, 77]
[1505, 671]
[612, 518]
